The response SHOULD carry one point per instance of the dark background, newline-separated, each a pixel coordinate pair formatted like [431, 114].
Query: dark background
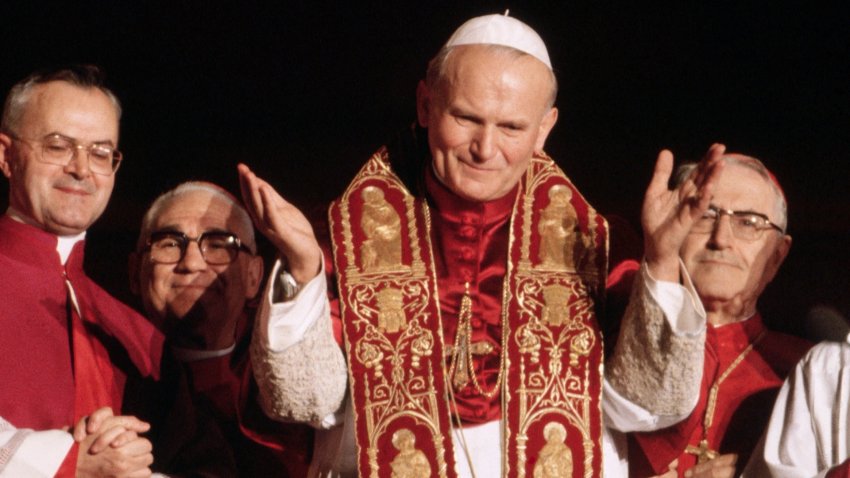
[304, 91]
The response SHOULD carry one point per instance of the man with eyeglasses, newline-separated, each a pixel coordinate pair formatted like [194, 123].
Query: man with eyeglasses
[74, 358]
[726, 244]
[196, 271]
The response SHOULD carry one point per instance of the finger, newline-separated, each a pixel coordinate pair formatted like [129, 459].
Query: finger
[105, 438]
[141, 473]
[712, 157]
[247, 187]
[80, 430]
[661, 173]
[275, 208]
[97, 418]
[127, 421]
[723, 465]
[138, 447]
[124, 439]
[250, 194]
[133, 465]
[728, 459]
[705, 191]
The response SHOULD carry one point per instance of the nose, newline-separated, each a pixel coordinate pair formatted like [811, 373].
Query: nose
[192, 260]
[483, 145]
[78, 166]
[721, 235]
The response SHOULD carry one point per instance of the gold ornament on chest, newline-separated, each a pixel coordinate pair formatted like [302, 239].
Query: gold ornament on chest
[461, 365]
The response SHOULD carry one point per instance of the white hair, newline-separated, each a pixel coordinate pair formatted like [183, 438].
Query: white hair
[155, 209]
[754, 164]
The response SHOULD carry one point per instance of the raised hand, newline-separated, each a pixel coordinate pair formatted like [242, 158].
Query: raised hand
[668, 215]
[283, 224]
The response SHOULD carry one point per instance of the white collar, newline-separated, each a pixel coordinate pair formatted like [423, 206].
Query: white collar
[64, 244]
[194, 355]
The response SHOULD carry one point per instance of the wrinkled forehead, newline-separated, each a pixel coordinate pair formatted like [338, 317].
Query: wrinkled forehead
[198, 211]
[741, 188]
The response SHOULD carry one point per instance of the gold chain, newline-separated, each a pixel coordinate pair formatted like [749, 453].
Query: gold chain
[704, 452]
[462, 369]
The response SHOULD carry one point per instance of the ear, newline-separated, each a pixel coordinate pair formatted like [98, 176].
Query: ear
[5, 157]
[423, 103]
[546, 125]
[778, 256]
[253, 276]
[133, 264]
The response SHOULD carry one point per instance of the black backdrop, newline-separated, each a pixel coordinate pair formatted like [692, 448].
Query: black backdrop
[304, 91]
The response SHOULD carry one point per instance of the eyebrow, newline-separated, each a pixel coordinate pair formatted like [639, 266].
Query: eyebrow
[75, 140]
[746, 211]
[511, 123]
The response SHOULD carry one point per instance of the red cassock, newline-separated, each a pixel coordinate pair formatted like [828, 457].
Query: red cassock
[48, 349]
[471, 245]
[261, 446]
[62, 362]
[744, 399]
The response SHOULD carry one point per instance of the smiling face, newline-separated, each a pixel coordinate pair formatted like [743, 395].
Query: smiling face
[64, 200]
[729, 273]
[486, 119]
[191, 296]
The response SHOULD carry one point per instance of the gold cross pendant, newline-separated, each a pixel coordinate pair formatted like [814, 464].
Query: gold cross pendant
[703, 452]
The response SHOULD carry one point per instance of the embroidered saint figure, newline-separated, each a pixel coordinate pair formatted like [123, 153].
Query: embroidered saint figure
[555, 459]
[381, 251]
[410, 462]
[557, 230]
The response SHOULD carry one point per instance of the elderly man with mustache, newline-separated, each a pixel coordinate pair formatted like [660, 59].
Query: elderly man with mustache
[728, 246]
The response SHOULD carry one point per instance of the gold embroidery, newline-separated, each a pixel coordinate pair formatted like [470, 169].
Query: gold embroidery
[557, 228]
[547, 317]
[410, 461]
[556, 339]
[555, 460]
[386, 303]
[556, 311]
[391, 310]
[381, 251]
[580, 346]
[461, 369]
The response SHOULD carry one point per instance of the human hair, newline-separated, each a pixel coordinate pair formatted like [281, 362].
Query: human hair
[684, 171]
[81, 76]
[156, 207]
[435, 75]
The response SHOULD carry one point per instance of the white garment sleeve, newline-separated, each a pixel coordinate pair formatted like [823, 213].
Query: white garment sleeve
[298, 365]
[30, 453]
[282, 324]
[808, 430]
[680, 303]
[654, 307]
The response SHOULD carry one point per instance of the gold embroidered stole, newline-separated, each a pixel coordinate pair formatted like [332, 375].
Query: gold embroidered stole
[394, 335]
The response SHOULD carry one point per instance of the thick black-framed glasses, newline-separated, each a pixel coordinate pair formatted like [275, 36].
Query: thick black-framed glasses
[217, 247]
[60, 150]
[746, 225]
